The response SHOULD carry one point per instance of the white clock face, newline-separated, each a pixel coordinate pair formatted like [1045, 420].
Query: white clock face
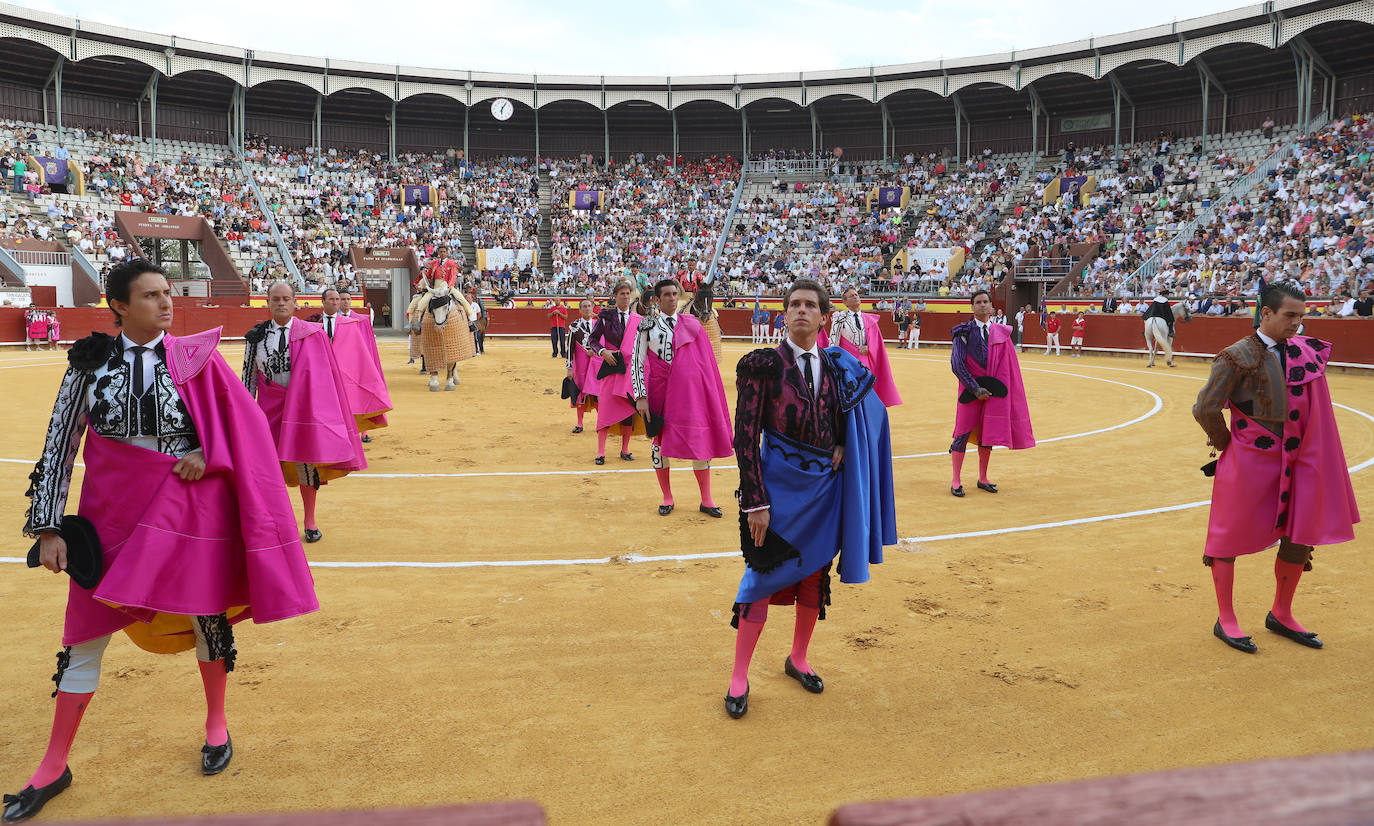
[502, 109]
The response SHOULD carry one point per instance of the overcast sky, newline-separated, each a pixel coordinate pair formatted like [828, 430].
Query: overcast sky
[671, 37]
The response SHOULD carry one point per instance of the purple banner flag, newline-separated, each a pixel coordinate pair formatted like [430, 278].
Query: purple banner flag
[586, 199]
[415, 194]
[54, 170]
[889, 197]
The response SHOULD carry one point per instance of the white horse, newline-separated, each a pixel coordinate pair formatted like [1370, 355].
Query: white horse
[1157, 333]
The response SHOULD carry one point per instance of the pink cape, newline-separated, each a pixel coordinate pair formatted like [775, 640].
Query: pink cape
[584, 366]
[615, 402]
[690, 396]
[1297, 485]
[875, 361]
[822, 338]
[355, 349]
[226, 543]
[310, 418]
[1006, 421]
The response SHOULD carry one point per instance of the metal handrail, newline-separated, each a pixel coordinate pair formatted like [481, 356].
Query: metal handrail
[282, 249]
[711, 273]
[42, 258]
[781, 166]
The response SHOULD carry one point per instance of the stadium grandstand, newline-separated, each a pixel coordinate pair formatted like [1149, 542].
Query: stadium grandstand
[1196, 155]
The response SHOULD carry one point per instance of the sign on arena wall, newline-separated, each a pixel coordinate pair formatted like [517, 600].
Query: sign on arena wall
[498, 257]
[1085, 123]
[950, 258]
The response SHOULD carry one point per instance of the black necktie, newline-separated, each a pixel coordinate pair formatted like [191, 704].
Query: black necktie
[139, 381]
[1283, 358]
[671, 319]
[806, 371]
[281, 339]
[624, 320]
[329, 326]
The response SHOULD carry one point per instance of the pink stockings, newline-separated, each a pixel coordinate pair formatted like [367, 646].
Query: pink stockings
[581, 411]
[1224, 580]
[957, 460]
[1286, 576]
[213, 676]
[308, 495]
[751, 620]
[66, 719]
[745, 639]
[626, 431]
[703, 484]
[664, 484]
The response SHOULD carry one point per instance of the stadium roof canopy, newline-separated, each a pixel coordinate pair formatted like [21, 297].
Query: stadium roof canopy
[1245, 48]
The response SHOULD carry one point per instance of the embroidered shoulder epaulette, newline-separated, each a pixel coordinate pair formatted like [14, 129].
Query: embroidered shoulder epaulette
[90, 352]
[762, 364]
[257, 333]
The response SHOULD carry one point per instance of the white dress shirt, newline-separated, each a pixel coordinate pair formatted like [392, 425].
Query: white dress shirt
[801, 363]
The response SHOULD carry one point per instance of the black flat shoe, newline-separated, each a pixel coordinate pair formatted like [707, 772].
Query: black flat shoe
[1307, 638]
[810, 682]
[313, 535]
[664, 510]
[29, 802]
[367, 440]
[987, 486]
[215, 759]
[1238, 643]
[629, 457]
[737, 706]
[959, 491]
[577, 429]
[712, 511]
[601, 460]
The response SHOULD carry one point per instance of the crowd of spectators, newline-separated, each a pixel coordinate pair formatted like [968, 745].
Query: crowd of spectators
[658, 219]
[1309, 221]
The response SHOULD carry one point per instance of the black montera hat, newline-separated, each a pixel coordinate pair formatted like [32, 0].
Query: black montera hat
[85, 559]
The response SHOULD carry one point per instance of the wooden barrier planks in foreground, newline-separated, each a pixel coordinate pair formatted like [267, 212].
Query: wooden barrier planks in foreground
[1326, 790]
[512, 813]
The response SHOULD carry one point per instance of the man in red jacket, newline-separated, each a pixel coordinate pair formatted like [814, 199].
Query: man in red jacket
[558, 327]
[1052, 334]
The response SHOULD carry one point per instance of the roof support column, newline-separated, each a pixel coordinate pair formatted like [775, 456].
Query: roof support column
[57, 87]
[1119, 94]
[319, 129]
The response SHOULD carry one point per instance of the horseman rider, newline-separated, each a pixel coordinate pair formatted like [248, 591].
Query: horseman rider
[1160, 308]
[445, 336]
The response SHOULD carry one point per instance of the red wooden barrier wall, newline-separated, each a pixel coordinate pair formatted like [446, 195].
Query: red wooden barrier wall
[1353, 339]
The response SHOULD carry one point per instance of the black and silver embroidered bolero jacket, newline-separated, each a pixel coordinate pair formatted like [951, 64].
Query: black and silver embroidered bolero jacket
[98, 390]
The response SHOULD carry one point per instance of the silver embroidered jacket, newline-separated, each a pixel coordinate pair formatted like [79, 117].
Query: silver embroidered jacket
[98, 390]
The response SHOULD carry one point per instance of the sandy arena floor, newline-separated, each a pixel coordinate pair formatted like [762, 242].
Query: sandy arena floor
[1031, 653]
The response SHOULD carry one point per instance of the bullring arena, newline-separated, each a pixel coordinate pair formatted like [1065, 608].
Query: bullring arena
[472, 645]
[500, 619]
